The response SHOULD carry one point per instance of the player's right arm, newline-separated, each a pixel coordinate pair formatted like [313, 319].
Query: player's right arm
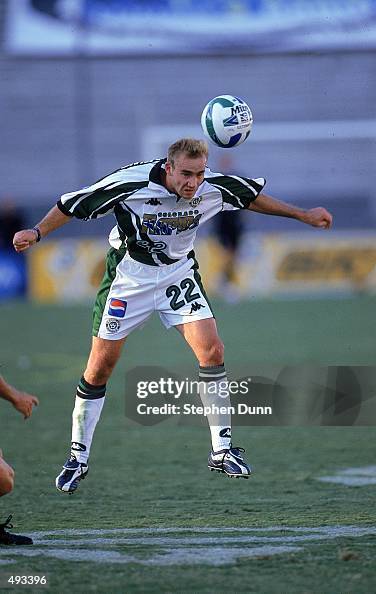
[54, 219]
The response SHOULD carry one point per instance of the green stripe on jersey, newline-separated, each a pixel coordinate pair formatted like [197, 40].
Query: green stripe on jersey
[113, 258]
[238, 192]
[198, 280]
[101, 200]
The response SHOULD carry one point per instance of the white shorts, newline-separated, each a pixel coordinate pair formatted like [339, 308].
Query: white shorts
[137, 290]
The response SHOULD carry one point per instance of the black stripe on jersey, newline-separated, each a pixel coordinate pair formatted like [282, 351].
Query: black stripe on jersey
[197, 277]
[128, 231]
[139, 253]
[108, 205]
[137, 164]
[166, 259]
[101, 200]
[126, 167]
[156, 174]
[237, 191]
[63, 209]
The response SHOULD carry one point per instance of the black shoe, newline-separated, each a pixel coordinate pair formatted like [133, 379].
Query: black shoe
[67, 481]
[230, 462]
[12, 539]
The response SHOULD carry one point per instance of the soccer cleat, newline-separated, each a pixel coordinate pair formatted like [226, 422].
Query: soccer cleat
[73, 471]
[12, 539]
[230, 462]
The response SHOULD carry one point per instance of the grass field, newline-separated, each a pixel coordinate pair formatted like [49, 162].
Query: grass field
[150, 517]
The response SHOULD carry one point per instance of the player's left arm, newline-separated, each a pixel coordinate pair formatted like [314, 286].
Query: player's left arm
[316, 217]
[22, 401]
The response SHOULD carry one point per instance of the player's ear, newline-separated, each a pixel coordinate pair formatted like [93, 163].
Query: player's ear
[168, 167]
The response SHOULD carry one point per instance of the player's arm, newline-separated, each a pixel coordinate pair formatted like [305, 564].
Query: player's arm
[22, 401]
[317, 217]
[54, 219]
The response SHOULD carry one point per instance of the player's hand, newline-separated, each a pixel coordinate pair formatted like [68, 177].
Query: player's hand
[318, 217]
[23, 240]
[24, 402]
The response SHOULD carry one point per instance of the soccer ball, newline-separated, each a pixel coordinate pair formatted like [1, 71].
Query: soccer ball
[227, 121]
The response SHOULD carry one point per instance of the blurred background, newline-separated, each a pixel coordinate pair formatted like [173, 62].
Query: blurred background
[90, 85]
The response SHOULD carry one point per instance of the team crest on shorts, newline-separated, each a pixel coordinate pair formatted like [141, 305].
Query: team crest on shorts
[117, 308]
[112, 326]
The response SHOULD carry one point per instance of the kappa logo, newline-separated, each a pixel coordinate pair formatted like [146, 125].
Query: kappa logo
[225, 432]
[112, 326]
[196, 306]
[154, 202]
[78, 447]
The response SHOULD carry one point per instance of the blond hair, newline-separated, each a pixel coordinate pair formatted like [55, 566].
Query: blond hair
[188, 146]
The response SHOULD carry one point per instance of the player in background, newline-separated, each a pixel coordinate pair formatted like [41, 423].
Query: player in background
[151, 266]
[23, 402]
[228, 228]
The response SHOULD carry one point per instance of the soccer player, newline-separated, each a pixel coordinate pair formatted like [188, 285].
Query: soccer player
[24, 403]
[151, 266]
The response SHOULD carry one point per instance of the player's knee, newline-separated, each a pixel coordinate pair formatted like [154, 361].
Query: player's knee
[213, 354]
[6, 484]
[99, 374]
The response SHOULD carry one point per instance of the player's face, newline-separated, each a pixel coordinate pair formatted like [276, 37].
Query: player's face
[185, 175]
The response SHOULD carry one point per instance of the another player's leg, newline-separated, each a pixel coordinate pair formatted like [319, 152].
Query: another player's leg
[202, 337]
[6, 476]
[90, 397]
[6, 486]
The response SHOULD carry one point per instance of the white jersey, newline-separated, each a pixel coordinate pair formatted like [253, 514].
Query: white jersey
[157, 226]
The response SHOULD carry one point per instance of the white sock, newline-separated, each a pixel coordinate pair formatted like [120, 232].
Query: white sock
[214, 394]
[86, 413]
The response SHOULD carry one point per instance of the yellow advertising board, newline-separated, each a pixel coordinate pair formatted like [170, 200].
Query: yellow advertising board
[69, 271]
[66, 270]
[299, 263]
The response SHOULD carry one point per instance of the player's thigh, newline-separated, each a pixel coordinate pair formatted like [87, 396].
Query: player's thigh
[202, 337]
[6, 477]
[125, 299]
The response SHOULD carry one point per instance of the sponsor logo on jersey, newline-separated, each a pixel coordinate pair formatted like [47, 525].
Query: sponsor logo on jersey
[154, 224]
[117, 308]
[112, 326]
[152, 248]
[196, 306]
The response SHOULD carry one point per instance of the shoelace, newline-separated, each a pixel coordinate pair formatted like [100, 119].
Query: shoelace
[234, 448]
[6, 524]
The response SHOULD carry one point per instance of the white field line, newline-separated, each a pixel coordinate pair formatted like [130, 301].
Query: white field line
[352, 477]
[187, 556]
[96, 546]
